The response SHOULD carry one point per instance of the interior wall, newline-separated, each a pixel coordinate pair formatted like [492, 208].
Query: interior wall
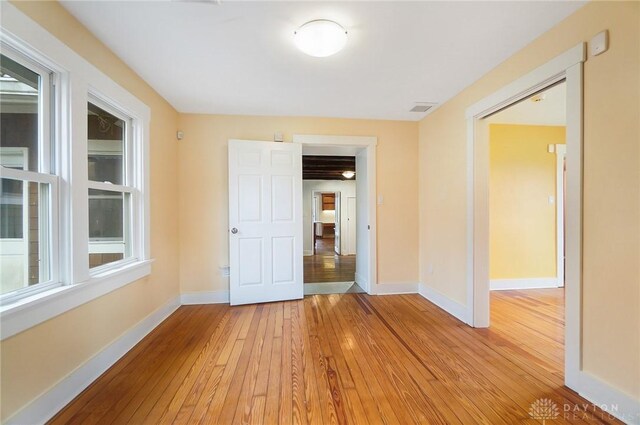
[204, 243]
[347, 188]
[36, 359]
[611, 238]
[522, 220]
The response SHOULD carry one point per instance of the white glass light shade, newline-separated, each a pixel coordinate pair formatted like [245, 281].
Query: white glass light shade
[320, 38]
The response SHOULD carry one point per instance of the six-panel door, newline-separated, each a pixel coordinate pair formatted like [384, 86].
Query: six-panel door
[265, 221]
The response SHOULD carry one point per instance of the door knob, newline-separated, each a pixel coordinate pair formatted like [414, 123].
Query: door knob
[234, 230]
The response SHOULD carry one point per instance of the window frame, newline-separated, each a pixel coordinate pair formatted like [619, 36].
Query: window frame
[76, 82]
[45, 173]
[128, 188]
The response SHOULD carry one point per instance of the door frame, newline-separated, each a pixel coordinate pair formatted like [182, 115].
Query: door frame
[349, 239]
[561, 153]
[352, 145]
[569, 67]
[315, 193]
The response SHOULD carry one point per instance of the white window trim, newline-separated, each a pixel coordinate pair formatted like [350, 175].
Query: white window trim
[76, 80]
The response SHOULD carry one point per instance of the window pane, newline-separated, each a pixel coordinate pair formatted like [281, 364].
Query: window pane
[19, 97]
[106, 146]
[108, 227]
[24, 234]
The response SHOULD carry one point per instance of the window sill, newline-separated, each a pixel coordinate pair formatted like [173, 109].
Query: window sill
[33, 310]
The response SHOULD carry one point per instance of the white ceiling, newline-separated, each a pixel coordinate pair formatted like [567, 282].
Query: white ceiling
[239, 58]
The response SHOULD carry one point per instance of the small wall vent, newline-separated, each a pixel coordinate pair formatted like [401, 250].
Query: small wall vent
[422, 107]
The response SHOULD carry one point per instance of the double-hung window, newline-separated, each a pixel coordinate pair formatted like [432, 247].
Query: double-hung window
[111, 173]
[29, 185]
[74, 170]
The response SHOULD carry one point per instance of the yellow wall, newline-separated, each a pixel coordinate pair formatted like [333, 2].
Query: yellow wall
[611, 289]
[36, 359]
[522, 221]
[204, 190]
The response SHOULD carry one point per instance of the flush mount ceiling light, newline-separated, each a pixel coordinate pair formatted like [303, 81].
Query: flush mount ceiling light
[348, 174]
[320, 38]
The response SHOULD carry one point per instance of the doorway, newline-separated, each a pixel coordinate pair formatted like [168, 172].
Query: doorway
[357, 233]
[329, 181]
[527, 145]
[568, 67]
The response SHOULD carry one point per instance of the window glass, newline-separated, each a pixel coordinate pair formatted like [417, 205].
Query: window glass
[105, 146]
[107, 226]
[19, 121]
[24, 234]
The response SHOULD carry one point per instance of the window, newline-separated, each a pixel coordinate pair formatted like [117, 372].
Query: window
[27, 185]
[110, 186]
[74, 175]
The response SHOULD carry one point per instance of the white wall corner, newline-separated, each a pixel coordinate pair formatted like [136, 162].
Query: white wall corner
[209, 297]
[612, 401]
[56, 398]
[452, 307]
[525, 283]
[396, 288]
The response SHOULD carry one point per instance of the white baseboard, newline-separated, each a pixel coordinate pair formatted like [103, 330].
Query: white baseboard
[452, 307]
[396, 288]
[613, 401]
[209, 297]
[307, 253]
[526, 283]
[52, 401]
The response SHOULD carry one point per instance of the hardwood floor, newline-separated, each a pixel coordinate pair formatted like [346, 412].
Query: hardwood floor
[325, 246]
[348, 358]
[329, 268]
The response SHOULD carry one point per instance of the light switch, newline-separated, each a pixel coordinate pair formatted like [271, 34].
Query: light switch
[380, 199]
[552, 199]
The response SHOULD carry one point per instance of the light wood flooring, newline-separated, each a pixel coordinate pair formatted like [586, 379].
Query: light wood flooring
[338, 359]
[326, 266]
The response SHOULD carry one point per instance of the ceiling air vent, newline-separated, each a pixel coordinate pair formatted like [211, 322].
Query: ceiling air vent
[422, 107]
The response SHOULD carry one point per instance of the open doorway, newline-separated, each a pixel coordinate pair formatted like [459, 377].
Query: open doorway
[527, 149]
[329, 204]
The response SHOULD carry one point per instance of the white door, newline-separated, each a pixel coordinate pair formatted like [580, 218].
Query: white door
[265, 221]
[337, 226]
[351, 225]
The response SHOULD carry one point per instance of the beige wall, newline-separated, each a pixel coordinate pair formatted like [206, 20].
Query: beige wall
[204, 190]
[36, 359]
[522, 240]
[611, 289]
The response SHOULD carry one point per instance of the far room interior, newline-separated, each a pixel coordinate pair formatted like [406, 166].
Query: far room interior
[527, 149]
[329, 197]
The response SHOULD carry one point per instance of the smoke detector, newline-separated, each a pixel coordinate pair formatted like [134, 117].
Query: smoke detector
[422, 107]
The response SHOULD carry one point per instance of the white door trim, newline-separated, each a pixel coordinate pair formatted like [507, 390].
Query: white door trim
[569, 67]
[561, 153]
[368, 143]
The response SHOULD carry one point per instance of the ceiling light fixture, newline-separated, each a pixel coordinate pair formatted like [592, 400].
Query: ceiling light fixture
[320, 38]
[348, 174]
